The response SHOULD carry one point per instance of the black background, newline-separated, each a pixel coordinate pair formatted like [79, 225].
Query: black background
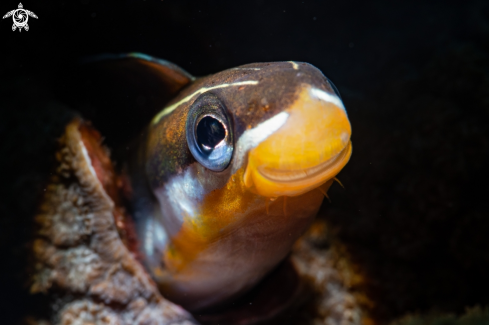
[414, 77]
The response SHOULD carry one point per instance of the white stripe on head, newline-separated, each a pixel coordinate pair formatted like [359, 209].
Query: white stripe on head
[253, 137]
[294, 65]
[171, 108]
[256, 69]
[327, 97]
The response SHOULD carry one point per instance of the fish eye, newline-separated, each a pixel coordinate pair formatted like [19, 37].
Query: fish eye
[209, 133]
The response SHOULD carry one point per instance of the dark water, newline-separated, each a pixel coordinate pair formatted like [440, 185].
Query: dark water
[414, 77]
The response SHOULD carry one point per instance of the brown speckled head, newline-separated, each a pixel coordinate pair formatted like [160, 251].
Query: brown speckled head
[236, 167]
[250, 94]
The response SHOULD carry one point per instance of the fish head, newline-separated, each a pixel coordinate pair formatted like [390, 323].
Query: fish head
[239, 163]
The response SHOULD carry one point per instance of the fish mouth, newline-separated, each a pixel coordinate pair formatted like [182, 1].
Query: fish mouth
[308, 150]
[307, 175]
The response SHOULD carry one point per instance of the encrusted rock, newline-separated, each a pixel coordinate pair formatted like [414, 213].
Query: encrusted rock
[80, 260]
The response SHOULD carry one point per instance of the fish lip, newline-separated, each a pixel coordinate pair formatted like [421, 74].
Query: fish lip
[305, 174]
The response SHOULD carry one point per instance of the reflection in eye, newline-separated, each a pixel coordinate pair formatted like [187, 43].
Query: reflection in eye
[210, 132]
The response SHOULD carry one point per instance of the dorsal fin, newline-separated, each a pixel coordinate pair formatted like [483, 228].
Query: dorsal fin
[137, 84]
[142, 67]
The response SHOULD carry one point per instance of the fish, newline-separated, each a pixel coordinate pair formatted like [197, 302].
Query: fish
[230, 172]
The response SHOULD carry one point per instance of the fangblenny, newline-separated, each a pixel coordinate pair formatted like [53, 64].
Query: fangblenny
[230, 172]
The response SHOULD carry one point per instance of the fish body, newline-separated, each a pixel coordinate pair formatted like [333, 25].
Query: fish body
[230, 173]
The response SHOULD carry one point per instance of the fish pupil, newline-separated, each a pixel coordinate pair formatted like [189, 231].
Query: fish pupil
[210, 131]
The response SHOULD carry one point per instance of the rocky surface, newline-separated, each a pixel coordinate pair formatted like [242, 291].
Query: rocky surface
[80, 262]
